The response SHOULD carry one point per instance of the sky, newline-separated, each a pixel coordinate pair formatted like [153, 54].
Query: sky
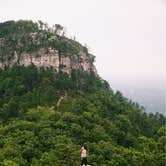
[128, 37]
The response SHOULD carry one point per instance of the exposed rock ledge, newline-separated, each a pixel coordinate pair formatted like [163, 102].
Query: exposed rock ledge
[52, 58]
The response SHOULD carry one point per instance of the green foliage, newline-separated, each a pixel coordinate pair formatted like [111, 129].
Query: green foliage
[14, 27]
[35, 131]
[27, 36]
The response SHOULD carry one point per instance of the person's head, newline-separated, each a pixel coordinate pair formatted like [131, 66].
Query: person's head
[85, 146]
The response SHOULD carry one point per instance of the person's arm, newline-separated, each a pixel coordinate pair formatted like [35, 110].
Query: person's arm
[87, 152]
[81, 150]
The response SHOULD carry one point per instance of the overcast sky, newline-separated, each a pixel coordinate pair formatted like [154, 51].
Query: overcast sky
[128, 37]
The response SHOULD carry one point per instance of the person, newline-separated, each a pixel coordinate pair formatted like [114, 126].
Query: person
[84, 154]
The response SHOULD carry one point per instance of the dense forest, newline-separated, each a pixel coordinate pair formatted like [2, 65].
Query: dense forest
[46, 116]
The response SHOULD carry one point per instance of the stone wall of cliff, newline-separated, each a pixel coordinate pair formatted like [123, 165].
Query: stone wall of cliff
[52, 58]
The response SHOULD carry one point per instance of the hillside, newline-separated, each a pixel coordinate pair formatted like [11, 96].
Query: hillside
[47, 114]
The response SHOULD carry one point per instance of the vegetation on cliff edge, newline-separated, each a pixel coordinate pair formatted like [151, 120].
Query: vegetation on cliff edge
[27, 36]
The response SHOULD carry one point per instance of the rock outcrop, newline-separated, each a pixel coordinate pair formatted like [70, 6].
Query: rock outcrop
[25, 42]
[52, 58]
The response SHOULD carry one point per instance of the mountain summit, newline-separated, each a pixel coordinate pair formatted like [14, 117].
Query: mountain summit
[25, 42]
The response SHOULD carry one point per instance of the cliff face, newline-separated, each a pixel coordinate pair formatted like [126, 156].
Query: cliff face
[27, 44]
[52, 58]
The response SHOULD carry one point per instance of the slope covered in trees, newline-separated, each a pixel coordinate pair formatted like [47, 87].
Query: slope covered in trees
[34, 131]
[45, 116]
[27, 36]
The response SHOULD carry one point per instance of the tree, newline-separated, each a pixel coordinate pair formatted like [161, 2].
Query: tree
[58, 29]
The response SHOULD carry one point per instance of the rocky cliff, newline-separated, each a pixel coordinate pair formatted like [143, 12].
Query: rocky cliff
[52, 58]
[25, 43]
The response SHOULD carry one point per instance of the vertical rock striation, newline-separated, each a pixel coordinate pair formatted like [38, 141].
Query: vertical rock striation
[52, 58]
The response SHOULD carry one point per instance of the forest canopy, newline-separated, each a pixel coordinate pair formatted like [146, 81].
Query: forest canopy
[34, 131]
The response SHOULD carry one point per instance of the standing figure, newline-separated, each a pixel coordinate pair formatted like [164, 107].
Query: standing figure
[84, 154]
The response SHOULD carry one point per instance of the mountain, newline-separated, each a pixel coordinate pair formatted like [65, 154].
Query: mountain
[147, 91]
[52, 101]
[25, 42]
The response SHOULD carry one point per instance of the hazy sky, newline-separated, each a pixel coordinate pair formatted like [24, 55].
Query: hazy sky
[128, 37]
